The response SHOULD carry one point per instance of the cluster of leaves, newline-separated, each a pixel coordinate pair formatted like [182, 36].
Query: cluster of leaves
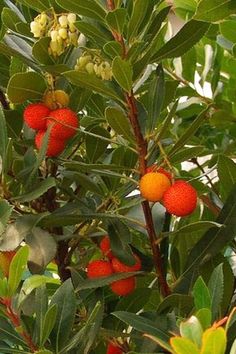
[175, 64]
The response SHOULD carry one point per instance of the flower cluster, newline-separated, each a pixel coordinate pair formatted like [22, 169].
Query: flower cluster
[92, 63]
[60, 28]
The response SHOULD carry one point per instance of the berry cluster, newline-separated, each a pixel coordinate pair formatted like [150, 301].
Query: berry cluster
[102, 268]
[63, 123]
[92, 63]
[60, 28]
[179, 198]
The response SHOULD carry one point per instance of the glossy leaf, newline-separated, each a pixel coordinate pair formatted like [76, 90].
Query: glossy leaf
[88, 8]
[42, 188]
[48, 323]
[192, 330]
[119, 122]
[122, 72]
[216, 289]
[201, 294]
[183, 346]
[182, 42]
[139, 11]
[214, 10]
[116, 19]
[214, 341]
[25, 86]
[5, 213]
[17, 268]
[227, 175]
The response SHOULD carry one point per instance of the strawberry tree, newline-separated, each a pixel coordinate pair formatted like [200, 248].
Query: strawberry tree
[117, 176]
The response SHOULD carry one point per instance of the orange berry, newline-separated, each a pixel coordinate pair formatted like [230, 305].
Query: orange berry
[99, 268]
[155, 168]
[123, 287]
[113, 349]
[153, 185]
[5, 261]
[64, 123]
[55, 146]
[35, 116]
[120, 267]
[105, 247]
[180, 199]
[56, 99]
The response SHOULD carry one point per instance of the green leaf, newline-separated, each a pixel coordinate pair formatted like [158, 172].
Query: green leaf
[201, 294]
[41, 306]
[48, 323]
[205, 317]
[212, 243]
[182, 41]
[214, 10]
[9, 18]
[227, 175]
[139, 11]
[8, 333]
[113, 49]
[189, 132]
[91, 82]
[233, 348]
[40, 51]
[25, 86]
[96, 147]
[65, 300]
[214, 341]
[119, 122]
[183, 346]
[228, 30]
[17, 268]
[192, 330]
[5, 213]
[155, 98]
[116, 19]
[38, 5]
[141, 324]
[183, 303]
[3, 140]
[103, 281]
[87, 8]
[196, 227]
[42, 249]
[216, 289]
[136, 301]
[40, 189]
[93, 33]
[122, 72]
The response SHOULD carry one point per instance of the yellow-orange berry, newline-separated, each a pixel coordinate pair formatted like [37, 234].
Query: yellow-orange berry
[56, 99]
[153, 185]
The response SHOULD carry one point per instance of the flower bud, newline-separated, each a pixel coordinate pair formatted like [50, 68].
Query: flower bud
[71, 18]
[54, 35]
[35, 28]
[73, 38]
[84, 60]
[63, 21]
[72, 27]
[90, 68]
[43, 19]
[62, 33]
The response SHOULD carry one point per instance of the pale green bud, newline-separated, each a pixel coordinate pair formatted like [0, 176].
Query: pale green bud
[62, 33]
[43, 19]
[63, 21]
[71, 18]
[90, 68]
[73, 38]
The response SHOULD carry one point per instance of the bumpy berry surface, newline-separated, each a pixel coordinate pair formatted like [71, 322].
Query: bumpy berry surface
[155, 168]
[113, 349]
[99, 268]
[56, 99]
[180, 199]
[120, 267]
[64, 123]
[35, 116]
[123, 287]
[5, 261]
[55, 146]
[153, 185]
[105, 247]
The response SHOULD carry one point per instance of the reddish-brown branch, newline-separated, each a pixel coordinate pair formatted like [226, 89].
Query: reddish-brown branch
[14, 318]
[142, 148]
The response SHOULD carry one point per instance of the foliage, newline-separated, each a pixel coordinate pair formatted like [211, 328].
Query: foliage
[152, 82]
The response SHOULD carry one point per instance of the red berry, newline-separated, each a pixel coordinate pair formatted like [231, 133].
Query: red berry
[155, 168]
[55, 146]
[123, 287]
[105, 247]
[113, 349]
[64, 123]
[35, 115]
[99, 268]
[120, 267]
[180, 199]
